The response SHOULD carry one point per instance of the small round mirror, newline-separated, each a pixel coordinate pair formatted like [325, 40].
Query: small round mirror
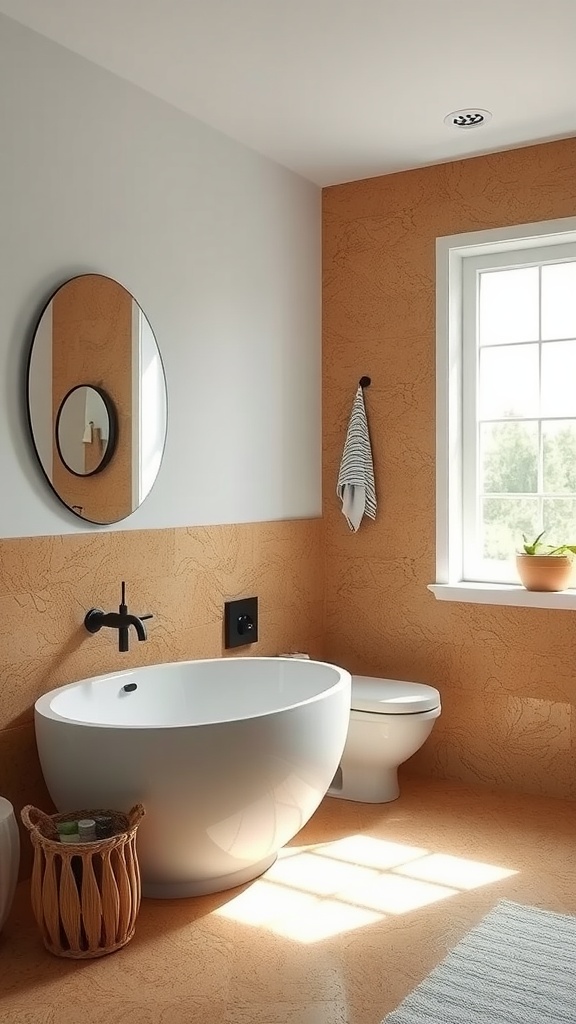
[97, 401]
[86, 430]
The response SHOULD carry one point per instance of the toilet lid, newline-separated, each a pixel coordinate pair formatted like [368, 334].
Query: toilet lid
[392, 696]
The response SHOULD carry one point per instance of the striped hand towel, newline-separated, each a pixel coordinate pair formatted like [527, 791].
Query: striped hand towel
[356, 488]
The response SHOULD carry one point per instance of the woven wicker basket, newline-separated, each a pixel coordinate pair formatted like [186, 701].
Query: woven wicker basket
[85, 896]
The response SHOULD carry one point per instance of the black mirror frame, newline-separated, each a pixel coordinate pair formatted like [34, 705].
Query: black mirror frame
[74, 509]
[112, 430]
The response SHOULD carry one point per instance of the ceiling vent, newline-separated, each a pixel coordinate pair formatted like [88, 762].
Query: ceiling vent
[470, 117]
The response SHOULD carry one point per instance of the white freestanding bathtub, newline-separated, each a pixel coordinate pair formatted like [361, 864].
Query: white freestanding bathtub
[230, 758]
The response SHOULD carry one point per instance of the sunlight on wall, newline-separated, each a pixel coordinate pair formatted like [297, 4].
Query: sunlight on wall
[312, 893]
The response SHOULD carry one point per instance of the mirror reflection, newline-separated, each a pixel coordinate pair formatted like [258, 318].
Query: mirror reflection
[85, 430]
[97, 399]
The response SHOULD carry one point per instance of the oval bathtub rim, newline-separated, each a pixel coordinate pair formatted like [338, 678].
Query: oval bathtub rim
[43, 709]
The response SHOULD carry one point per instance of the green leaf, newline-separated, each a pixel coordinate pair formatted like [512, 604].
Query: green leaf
[532, 548]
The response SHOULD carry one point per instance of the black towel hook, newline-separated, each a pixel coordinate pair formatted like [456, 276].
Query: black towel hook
[365, 382]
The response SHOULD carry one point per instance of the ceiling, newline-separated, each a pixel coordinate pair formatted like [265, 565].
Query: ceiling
[338, 89]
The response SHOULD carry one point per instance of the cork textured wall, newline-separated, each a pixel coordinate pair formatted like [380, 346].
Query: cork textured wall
[507, 675]
[182, 576]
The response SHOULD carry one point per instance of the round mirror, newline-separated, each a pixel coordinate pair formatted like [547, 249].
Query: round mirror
[97, 399]
[86, 430]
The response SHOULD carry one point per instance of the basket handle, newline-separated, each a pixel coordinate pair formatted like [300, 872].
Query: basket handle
[32, 816]
[135, 815]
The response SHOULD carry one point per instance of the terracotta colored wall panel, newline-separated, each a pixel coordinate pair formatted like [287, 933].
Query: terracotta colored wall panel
[507, 675]
[183, 577]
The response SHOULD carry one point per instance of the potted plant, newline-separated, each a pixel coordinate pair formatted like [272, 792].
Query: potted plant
[545, 567]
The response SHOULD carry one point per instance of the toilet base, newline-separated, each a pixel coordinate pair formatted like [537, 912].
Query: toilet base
[365, 787]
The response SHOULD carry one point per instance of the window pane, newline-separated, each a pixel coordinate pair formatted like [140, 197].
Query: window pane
[559, 448]
[559, 300]
[509, 306]
[509, 381]
[560, 520]
[504, 520]
[509, 457]
[559, 378]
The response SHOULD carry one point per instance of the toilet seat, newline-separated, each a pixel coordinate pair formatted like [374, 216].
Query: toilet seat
[392, 696]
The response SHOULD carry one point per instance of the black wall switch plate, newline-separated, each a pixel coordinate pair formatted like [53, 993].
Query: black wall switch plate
[241, 622]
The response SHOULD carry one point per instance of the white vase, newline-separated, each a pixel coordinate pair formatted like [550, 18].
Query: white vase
[9, 857]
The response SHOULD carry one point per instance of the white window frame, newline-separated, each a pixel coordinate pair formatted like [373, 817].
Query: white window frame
[452, 252]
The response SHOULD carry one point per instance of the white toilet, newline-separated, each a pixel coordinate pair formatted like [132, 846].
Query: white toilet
[389, 721]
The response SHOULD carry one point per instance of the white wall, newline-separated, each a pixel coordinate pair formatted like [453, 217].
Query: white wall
[221, 248]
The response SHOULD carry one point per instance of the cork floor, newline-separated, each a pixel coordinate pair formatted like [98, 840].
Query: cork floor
[356, 911]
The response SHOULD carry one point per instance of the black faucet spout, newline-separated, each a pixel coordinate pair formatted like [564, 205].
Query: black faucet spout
[121, 620]
[130, 620]
[133, 620]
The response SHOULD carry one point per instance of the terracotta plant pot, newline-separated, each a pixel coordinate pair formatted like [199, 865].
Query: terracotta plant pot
[545, 572]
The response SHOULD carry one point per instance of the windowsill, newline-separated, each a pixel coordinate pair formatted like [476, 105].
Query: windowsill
[503, 593]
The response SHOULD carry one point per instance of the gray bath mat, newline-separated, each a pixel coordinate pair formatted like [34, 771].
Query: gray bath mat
[518, 966]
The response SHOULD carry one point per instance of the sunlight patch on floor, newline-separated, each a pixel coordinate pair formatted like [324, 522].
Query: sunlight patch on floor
[372, 853]
[295, 915]
[392, 894]
[320, 875]
[313, 893]
[454, 871]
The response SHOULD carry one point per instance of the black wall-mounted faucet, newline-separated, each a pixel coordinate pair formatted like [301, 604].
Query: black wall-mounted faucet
[120, 620]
